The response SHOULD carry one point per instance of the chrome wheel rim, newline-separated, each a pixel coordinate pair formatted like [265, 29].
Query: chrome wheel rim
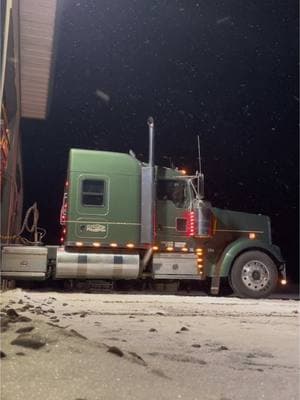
[255, 275]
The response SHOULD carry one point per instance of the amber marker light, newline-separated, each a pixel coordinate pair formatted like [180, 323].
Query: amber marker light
[252, 235]
[130, 245]
[96, 244]
[169, 248]
[184, 249]
[283, 281]
[155, 248]
[183, 171]
[113, 245]
[79, 244]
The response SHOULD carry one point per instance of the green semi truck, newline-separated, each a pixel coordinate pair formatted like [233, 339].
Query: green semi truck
[123, 219]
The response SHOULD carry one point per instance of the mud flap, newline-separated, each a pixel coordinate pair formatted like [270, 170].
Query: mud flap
[216, 280]
[215, 285]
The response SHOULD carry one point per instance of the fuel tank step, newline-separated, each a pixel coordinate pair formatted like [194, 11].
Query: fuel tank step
[90, 285]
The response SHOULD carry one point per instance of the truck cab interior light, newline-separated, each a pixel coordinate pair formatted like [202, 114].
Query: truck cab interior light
[113, 245]
[283, 281]
[252, 235]
[79, 244]
[130, 245]
[155, 248]
[96, 244]
[169, 248]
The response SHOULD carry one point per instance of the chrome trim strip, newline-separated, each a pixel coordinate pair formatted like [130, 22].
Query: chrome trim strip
[102, 222]
[236, 230]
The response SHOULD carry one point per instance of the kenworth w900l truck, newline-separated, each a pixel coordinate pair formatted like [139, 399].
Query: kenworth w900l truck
[123, 219]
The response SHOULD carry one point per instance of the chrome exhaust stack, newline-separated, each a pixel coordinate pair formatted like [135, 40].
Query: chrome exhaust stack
[148, 192]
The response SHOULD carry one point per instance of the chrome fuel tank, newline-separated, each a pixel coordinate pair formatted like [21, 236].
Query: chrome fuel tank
[96, 266]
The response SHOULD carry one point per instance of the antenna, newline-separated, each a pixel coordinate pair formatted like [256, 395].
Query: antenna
[199, 154]
[200, 176]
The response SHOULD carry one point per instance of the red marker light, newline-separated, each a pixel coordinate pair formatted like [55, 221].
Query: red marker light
[190, 223]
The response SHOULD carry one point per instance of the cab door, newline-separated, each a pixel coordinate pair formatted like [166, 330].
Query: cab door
[173, 200]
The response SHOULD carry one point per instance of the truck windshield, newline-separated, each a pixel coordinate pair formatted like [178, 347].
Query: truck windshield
[172, 190]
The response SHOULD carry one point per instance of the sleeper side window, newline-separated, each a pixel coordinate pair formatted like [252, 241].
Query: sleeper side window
[93, 192]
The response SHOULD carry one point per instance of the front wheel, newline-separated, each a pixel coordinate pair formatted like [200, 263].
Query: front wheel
[254, 275]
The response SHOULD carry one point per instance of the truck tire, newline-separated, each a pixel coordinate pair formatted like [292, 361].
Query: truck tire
[253, 275]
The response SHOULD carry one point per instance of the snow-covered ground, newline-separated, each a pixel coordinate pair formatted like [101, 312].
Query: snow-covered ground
[139, 346]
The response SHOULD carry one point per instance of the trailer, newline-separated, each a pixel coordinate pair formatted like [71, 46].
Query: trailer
[123, 219]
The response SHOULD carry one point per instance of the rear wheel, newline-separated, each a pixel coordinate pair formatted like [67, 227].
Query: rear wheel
[254, 275]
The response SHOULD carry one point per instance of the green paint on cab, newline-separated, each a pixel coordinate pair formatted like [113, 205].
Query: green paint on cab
[103, 197]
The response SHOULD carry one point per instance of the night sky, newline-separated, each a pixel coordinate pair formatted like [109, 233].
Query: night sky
[224, 70]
